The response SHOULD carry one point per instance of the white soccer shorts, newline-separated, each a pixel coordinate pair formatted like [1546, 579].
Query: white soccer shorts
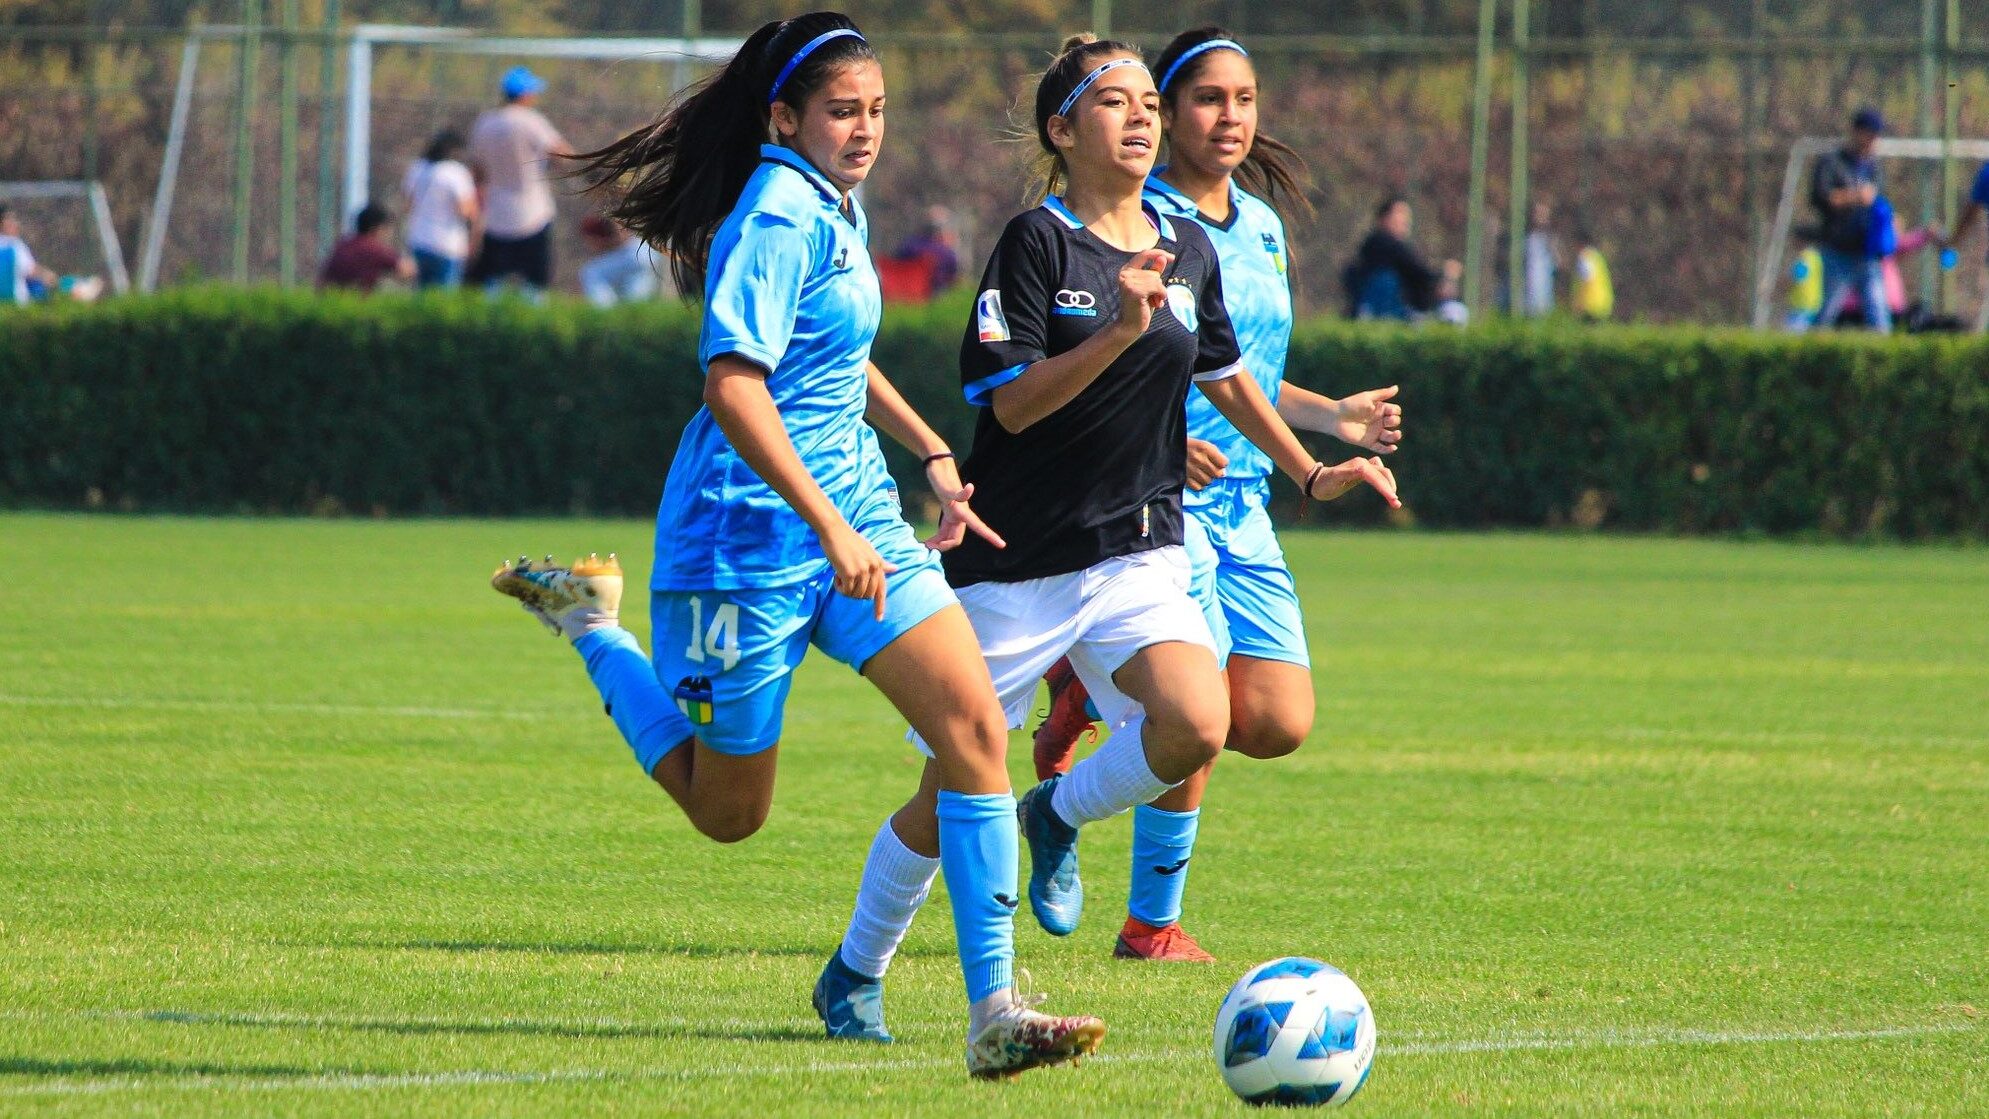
[1099, 617]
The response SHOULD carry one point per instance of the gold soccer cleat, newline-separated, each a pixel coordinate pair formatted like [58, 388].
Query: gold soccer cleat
[1020, 1038]
[568, 600]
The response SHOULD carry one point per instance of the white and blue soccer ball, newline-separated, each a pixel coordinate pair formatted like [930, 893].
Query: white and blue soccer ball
[1295, 1032]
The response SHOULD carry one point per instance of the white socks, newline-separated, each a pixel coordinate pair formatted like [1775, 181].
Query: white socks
[896, 880]
[1113, 778]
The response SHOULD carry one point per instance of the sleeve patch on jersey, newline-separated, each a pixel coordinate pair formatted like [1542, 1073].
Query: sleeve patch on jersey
[991, 323]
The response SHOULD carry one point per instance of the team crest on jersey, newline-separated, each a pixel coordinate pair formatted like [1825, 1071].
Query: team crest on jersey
[1181, 301]
[694, 699]
[1277, 253]
[992, 325]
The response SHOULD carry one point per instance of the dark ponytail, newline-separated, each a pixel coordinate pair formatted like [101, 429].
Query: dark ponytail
[1272, 171]
[676, 180]
[1081, 54]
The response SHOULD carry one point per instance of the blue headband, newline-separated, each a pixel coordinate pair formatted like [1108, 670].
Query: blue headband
[1198, 48]
[787, 71]
[1064, 109]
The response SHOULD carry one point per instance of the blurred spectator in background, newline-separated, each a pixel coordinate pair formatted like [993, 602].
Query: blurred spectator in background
[1978, 201]
[20, 273]
[1846, 188]
[510, 147]
[938, 243]
[1543, 262]
[1805, 290]
[1388, 278]
[362, 260]
[1594, 293]
[622, 268]
[441, 200]
[1905, 243]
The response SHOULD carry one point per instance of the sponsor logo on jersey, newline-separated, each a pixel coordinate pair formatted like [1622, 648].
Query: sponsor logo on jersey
[1080, 303]
[842, 257]
[1181, 301]
[992, 325]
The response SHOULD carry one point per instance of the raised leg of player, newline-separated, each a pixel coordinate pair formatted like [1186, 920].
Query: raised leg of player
[1186, 718]
[1270, 706]
[725, 796]
[936, 678]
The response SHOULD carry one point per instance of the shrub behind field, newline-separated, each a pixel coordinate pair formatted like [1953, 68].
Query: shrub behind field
[264, 401]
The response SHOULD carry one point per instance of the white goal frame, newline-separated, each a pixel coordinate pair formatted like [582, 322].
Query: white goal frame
[366, 36]
[92, 193]
[1801, 154]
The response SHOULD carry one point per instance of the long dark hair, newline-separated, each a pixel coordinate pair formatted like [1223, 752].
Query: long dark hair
[1080, 55]
[676, 179]
[447, 144]
[1272, 171]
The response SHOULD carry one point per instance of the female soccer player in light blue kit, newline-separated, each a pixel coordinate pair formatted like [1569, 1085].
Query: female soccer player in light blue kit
[779, 526]
[1097, 316]
[1225, 175]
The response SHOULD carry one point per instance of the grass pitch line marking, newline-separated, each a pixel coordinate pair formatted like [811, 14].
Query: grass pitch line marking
[356, 1081]
[253, 707]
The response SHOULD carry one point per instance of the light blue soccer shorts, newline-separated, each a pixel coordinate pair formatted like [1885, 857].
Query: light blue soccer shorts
[728, 657]
[1237, 574]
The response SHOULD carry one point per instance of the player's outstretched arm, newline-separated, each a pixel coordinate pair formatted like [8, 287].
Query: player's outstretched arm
[889, 412]
[1368, 419]
[1244, 404]
[736, 392]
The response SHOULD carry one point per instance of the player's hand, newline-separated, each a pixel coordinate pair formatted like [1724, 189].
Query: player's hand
[955, 515]
[860, 571]
[1337, 480]
[1141, 289]
[1205, 463]
[1371, 419]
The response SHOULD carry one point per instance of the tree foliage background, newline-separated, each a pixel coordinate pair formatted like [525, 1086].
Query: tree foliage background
[1652, 121]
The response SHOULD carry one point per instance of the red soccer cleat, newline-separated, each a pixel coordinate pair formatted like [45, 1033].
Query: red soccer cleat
[1069, 718]
[1160, 943]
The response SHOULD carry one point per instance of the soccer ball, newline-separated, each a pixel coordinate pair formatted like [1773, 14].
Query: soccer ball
[1295, 1032]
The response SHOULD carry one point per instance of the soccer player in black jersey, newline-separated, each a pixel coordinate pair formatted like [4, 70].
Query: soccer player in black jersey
[1094, 317]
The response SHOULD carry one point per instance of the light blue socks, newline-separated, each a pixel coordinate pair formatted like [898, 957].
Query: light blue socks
[978, 853]
[639, 705]
[1163, 842]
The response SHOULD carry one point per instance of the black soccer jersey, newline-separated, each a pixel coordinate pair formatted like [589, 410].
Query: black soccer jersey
[1102, 475]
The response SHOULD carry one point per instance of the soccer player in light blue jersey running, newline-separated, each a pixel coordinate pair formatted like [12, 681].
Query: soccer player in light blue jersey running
[779, 527]
[1228, 177]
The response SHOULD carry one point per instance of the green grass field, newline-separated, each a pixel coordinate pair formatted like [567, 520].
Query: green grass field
[298, 818]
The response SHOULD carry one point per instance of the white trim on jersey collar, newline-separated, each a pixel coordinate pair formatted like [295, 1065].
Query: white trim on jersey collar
[1056, 206]
[1157, 185]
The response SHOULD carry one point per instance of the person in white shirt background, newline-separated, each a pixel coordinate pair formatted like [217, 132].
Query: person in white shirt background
[442, 211]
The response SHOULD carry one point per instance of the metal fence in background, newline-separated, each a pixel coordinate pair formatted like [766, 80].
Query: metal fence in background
[1661, 125]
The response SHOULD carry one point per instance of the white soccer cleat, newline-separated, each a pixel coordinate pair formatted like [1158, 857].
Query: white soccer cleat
[1020, 1038]
[568, 600]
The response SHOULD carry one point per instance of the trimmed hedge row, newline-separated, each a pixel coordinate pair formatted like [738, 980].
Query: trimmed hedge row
[266, 401]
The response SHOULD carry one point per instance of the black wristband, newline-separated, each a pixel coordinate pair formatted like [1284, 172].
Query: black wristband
[1318, 468]
[935, 457]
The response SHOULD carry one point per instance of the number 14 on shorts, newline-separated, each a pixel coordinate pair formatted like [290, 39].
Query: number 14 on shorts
[721, 640]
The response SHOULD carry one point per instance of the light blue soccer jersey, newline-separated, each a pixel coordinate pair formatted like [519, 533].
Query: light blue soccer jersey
[791, 289]
[1251, 248]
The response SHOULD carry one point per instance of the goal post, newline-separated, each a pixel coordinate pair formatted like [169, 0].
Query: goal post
[97, 203]
[1802, 154]
[365, 37]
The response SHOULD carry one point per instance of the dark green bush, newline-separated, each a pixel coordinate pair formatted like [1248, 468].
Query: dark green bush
[230, 400]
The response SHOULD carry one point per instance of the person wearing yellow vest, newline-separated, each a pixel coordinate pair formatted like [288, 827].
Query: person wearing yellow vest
[1805, 289]
[1594, 294]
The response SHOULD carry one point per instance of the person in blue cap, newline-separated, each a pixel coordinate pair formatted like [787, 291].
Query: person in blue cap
[510, 147]
[1847, 189]
[780, 528]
